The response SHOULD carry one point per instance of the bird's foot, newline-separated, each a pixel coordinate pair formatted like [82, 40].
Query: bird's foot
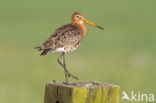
[66, 83]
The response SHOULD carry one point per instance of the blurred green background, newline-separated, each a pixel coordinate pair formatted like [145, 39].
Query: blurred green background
[123, 54]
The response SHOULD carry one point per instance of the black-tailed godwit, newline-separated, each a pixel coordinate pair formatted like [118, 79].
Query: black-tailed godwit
[66, 39]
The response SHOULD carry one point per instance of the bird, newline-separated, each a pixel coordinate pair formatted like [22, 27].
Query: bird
[66, 39]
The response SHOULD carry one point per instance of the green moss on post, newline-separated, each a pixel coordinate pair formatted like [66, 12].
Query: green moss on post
[81, 92]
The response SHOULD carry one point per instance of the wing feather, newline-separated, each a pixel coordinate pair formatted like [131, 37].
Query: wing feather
[66, 36]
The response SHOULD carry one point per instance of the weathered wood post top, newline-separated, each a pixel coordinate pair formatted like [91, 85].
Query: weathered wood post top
[81, 92]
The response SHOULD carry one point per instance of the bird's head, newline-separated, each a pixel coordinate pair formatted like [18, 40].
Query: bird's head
[77, 18]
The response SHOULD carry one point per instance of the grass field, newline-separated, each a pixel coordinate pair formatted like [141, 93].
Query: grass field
[123, 54]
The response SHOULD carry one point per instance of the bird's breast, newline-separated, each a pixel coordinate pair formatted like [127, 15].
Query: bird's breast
[82, 27]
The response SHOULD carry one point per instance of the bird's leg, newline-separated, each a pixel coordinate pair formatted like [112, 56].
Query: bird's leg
[64, 63]
[63, 67]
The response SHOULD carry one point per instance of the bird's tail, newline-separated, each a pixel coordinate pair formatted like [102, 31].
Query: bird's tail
[45, 52]
[39, 48]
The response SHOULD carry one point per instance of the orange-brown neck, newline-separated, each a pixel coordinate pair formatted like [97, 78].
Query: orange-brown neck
[81, 26]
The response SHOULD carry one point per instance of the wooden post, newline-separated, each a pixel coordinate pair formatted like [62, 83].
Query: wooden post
[81, 92]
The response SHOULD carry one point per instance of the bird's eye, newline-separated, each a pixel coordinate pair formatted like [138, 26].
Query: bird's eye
[77, 16]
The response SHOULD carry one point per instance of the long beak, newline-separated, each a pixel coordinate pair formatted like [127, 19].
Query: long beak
[88, 22]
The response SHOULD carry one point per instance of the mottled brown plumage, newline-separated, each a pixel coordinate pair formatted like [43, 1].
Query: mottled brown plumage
[66, 39]
[67, 36]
